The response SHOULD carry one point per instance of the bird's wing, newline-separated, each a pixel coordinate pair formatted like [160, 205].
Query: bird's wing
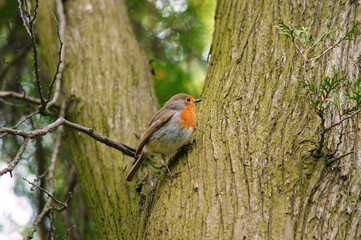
[154, 126]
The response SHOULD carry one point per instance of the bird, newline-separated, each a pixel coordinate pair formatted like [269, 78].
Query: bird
[170, 128]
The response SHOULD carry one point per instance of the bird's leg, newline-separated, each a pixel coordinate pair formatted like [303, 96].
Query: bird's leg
[169, 172]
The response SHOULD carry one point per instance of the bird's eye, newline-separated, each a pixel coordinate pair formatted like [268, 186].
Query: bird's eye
[188, 99]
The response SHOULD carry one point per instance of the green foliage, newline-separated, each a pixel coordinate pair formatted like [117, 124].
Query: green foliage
[176, 35]
[353, 93]
[302, 35]
[327, 93]
[320, 96]
[350, 31]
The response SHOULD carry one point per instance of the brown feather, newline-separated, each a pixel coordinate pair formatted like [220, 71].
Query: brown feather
[136, 166]
[155, 125]
[171, 104]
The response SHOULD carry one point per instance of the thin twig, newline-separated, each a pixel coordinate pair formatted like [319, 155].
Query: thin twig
[39, 218]
[16, 160]
[323, 53]
[36, 133]
[22, 16]
[67, 215]
[299, 50]
[353, 65]
[356, 62]
[61, 36]
[27, 5]
[26, 118]
[41, 176]
[10, 94]
[20, 122]
[52, 227]
[331, 161]
[313, 45]
[49, 203]
[9, 103]
[60, 67]
[29, 25]
[46, 192]
[31, 22]
[68, 231]
[129, 151]
[341, 121]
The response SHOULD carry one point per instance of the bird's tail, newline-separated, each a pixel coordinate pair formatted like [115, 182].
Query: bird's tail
[136, 166]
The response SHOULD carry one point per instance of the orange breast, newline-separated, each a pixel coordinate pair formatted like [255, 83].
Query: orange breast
[188, 117]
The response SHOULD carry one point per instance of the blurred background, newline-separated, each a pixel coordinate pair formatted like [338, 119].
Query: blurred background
[176, 35]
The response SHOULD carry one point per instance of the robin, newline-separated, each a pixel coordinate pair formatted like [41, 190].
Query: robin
[171, 127]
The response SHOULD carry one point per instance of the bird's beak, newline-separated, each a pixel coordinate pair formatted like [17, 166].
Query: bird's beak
[197, 100]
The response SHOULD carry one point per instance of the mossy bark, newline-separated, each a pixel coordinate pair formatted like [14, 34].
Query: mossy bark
[108, 79]
[250, 174]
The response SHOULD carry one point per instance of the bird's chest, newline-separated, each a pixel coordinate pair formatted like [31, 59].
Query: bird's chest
[187, 117]
[170, 137]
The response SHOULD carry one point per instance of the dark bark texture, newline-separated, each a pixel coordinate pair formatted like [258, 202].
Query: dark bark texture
[250, 173]
[108, 80]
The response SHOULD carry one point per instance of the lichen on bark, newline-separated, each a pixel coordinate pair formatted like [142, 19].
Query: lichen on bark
[108, 80]
[249, 173]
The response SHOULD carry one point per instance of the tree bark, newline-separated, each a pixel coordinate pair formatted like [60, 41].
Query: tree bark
[250, 174]
[108, 80]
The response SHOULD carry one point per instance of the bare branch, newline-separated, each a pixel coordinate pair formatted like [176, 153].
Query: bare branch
[46, 192]
[31, 22]
[332, 46]
[39, 218]
[23, 97]
[10, 94]
[60, 67]
[54, 156]
[29, 25]
[68, 231]
[9, 103]
[26, 118]
[341, 121]
[21, 121]
[67, 214]
[49, 203]
[129, 151]
[52, 227]
[331, 161]
[16, 160]
[21, 8]
[313, 45]
[36, 133]
[323, 53]
[37, 72]
[299, 50]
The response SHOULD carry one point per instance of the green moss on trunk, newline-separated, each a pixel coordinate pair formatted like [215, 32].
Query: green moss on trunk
[108, 79]
[250, 174]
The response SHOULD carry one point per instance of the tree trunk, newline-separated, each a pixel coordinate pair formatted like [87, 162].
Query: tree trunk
[250, 174]
[108, 80]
